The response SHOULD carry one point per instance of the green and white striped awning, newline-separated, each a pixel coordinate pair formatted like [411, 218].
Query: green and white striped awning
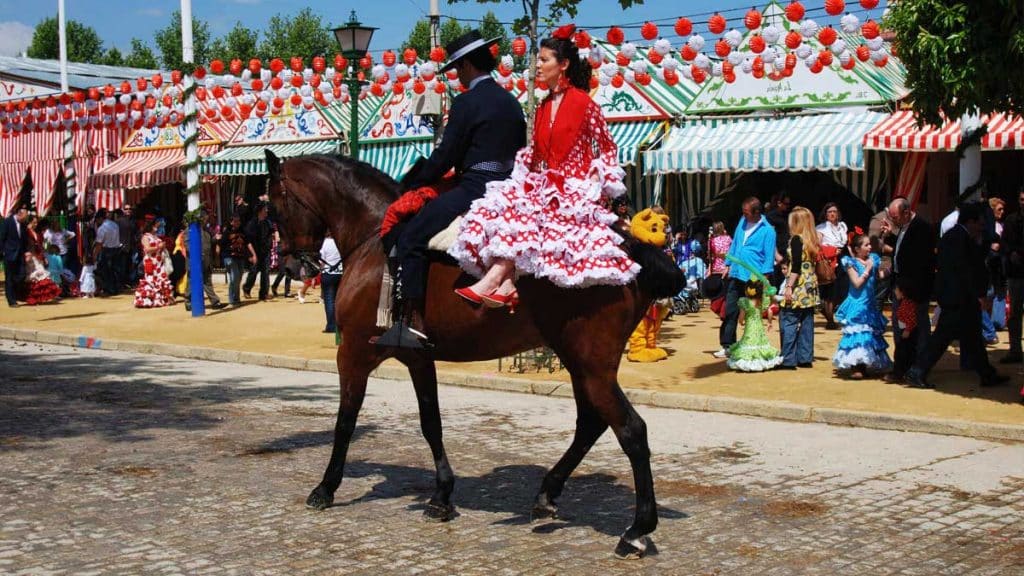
[395, 158]
[630, 136]
[796, 144]
[338, 114]
[250, 160]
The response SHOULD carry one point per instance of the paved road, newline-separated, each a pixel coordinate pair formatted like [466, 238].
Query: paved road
[118, 464]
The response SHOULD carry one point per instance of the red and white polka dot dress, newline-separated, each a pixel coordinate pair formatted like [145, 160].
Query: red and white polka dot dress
[547, 217]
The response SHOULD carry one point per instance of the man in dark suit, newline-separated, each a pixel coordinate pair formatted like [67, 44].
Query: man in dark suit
[961, 284]
[485, 130]
[914, 274]
[15, 244]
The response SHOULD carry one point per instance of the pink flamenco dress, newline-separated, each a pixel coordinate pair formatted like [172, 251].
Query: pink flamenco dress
[155, 289]
[548, 217]
[39, 287]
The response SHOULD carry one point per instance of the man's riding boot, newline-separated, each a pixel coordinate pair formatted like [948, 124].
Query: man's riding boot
[407, 331]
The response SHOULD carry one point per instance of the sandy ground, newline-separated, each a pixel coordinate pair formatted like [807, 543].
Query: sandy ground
[284, 327]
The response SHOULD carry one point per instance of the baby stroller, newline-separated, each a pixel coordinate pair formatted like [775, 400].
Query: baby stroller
[686, 302]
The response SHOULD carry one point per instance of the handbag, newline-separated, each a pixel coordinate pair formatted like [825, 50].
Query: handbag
[824, 270]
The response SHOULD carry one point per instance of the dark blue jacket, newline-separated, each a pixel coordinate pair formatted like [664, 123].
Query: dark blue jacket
[14, 246]
[485, 124]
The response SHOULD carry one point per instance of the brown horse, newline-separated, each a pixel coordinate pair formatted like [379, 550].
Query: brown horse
[319, 195]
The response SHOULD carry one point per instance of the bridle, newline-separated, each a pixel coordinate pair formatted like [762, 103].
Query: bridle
[311, 258]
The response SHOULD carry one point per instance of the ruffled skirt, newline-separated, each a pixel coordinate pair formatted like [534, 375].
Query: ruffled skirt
[154, 290]
[862, 344]
[550, 228]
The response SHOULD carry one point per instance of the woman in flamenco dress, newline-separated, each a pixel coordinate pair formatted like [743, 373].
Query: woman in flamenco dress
[155, 289]
[40, 288]
[547, 218]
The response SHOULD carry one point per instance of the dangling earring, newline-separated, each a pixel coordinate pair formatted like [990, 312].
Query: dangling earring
[563, 83]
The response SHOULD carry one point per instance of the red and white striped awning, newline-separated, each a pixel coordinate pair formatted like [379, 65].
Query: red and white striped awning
[900, 133]
[145, 169]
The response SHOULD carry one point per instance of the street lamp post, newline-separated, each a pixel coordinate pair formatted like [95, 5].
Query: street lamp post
[354, 39]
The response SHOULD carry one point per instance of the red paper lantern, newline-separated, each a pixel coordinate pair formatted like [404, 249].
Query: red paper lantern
[870, 29]
[850, 64]
[618, 80]
[727, 68]
[787, 72]
[827, 36]
[615, 35]
[521, 84]
[388, 58]
[795, 11]
[175, 76]
[418, 87]
[868, 4]
[790, 60]
[398, 88]
[671, 78]
[166, 101]
[366, 62]
[643, 78]
[244, 110]
[717, 23]
[108, 92]
[141, 84]
[722, 48]
[437, 54]
[276, 65]
[256, 84]
[793, 40]
[684, 27]
[226, 111]
[158, 80]
[518, 47]
[621, 59]
[758, 74]
[758, 64]
[255, 66]
[340, 63]
[315, 81]
[817, 68]
[439, 88]
[377, 90]
[649, 30]
[729, 78]
[654, 57]
[881, 62]
[494, 50]
[217, 92]
[319, 64]
[834, 7]
[863, 53]
[297, 80]
[582, 39]
[199, 73]
[235, 66]
[296, 99]
[825, 57]
[201, 93]
[296, 64]
[94, 93]
[409, 56]
[699, 76]
[687, 53]
[757, 44]
[236, 89]
[277, 102]
[752, 20]
[276, 83]
[216, 67]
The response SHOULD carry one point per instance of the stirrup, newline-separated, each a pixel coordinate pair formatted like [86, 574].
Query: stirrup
[401, 335]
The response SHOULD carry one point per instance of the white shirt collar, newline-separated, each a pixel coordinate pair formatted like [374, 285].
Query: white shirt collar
[477, 80]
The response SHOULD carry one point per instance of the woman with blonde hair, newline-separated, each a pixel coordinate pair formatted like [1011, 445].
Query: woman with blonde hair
[800, 295]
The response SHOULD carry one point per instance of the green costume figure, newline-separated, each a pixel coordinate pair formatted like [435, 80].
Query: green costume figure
[753, 352]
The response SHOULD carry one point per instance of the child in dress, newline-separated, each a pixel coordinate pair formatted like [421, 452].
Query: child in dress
[753, 352]
[87, 281]
[862, 348]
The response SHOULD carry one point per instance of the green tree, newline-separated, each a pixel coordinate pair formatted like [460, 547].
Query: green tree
[491, 27]
[168, 42]
[419, 38]
[239, 43]
[141, 56]
[113, 57]
[84, 44]
[960, 56]
[304, 35]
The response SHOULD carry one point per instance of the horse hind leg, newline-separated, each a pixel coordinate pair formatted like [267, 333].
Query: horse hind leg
[589, 427]
[424, 378]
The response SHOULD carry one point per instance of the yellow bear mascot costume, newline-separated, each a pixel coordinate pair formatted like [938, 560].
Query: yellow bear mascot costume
[648, 226]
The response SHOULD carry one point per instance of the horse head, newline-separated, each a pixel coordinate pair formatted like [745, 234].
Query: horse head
[301, 226]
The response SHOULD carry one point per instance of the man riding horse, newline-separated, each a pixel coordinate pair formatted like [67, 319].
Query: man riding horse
[485, 130]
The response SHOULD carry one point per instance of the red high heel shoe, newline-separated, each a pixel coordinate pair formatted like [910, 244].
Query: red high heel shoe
[495, 300]
[469, 295]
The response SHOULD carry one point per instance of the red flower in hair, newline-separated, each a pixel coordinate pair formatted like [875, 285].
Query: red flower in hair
[564, 32]
[857, 231]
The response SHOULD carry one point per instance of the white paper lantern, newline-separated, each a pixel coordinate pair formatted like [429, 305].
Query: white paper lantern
[850, 24]
[325, 88]
[604, 80]
[716, 69]
[875, 43]
[630, 76]
[377, 71]
[125, 99]
[733, 38]
[768, 56]
[662, 46]
[670, 63]
[747, 66]
[307, 74]
[227, 80]
[506, 61]
[609, 69]
[838, 47]
[735, 58]
[427, 68]
[810, 61]
[702, 62]
[879, 55]
[845, 57]
[772, 34]
[638, 66]
[306, 90]
[809, 28]
[266, 96]
[328, 97]
[246, 75]
[286, 75]
[696, 42]
[628, 50]
[344, 88]
[596, 53]
[209, 82]
[265, 75]
[803, 52]
[329, 74]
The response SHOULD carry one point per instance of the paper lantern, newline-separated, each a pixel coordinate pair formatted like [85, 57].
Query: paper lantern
[319, 64]
[729, 78]
[825, 57]
[752, 20]
[157, 80]
[257, 84]
[671, 77]
[817, 68]
[418, 87]
[296, 80]
[722, 48]
[688, 53]
[649, 30]
[582, 39]
[696, 42]
[827, 36]
[787, 72]
[409, 56]
[654, 56]
[166, 100]
[809, 28]
[734, 38]
[437, 54]
[377, 90]
[863, 53]
[795, 11]
[141, 84]
[296, 64]
[850, 24]
[93, 93]
[276, 83]
[618, 80]
[388, 58]
[793, 40]
[236, 89]
[849, 64]
[340, 63]
[870, 30]
[771, 34]
[684, 27]
[717, 23]
[276, 65]
[615, 35]
[757, 44]
[217, 67]
[494, 50]
[439, 88]
[868, 4]
[790, 60]
[757, 64]
[699, 76]
[366, 62]
[519, 47]
[835, 7]
[296, 99]
[199, 73]
[621, 59]
[217, 92]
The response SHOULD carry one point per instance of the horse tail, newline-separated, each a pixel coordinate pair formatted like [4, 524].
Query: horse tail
[659, 276]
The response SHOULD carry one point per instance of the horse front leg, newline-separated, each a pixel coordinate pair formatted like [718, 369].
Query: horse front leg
[589, 427]
[352, 377]
[424, 379]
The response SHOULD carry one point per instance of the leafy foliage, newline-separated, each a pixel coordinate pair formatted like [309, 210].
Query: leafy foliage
[84, 44]
[304, 34]
[240, 42]
[113, 57]
[960, 57]
[168, 41]
[141, 56]
[419, 38]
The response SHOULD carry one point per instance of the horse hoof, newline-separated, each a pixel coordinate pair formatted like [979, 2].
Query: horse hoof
[319, 499]
[631, 549]
[438, 512]
[544, 512]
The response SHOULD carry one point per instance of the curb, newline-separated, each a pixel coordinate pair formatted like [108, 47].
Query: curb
[694, 402]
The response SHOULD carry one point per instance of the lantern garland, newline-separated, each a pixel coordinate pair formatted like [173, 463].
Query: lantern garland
[238, 90]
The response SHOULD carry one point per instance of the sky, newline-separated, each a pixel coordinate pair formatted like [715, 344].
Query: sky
[117, 21]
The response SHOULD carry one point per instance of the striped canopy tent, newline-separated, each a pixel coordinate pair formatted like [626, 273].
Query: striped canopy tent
[900, 133]
[38, 153]
[395, 158]
[152, 157]
[672, 100]
[339, 114]
[252, 160]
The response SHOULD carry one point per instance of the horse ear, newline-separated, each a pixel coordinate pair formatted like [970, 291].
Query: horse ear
[273, 165]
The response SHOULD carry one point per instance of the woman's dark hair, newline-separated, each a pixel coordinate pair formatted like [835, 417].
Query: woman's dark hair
[578, 73]
[824, 212]
[152, 225]
[753, 289]
[856, 241]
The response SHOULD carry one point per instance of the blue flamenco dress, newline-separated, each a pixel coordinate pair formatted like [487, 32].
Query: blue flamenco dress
[863, 344]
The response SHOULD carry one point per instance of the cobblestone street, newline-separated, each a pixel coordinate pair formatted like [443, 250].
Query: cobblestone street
[112, 463]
